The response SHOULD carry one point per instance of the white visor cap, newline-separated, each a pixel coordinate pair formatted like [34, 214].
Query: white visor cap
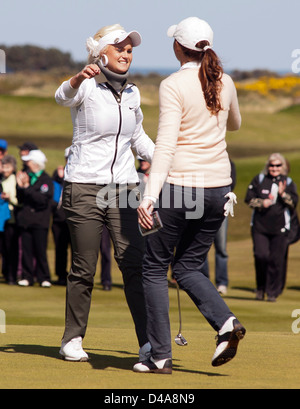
[116, 37]
[190, 31]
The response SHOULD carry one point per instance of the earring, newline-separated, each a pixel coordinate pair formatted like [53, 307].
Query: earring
[104, 60]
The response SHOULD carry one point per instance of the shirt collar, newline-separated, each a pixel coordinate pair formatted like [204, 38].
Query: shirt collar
[101, 79]
[191, 64]
[34, 176]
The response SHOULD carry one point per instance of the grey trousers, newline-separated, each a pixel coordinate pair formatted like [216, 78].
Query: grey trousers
[87, 210]
[191, 240]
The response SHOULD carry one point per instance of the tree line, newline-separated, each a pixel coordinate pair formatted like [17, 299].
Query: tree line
[34, 58]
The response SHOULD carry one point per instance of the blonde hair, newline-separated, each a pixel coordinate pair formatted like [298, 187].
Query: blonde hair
[281, 158]
[101, 33]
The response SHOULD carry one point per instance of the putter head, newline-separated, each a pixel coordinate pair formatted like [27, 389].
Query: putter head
[180, 340]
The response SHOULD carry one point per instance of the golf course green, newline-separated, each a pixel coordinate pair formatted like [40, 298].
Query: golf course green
[267, 358]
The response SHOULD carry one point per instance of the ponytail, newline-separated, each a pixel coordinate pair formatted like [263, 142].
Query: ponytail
[210, 74]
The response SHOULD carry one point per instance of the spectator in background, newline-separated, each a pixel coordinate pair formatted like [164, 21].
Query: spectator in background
[4, 211]
[60, 230]
[3, 148]
[9, 195]
[273, 197]
[24, 150]
[34, 193]
[4, 216]
[220, 243]
[105, 250]
[3, 152]
[143, 173]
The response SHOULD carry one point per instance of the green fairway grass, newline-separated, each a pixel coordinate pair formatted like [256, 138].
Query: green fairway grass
[29, 361]
[268, 357]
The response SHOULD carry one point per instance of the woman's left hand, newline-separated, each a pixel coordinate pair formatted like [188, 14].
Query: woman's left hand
[145, 210]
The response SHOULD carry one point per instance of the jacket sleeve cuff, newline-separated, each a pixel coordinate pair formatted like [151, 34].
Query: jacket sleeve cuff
[152, 198]
[68, 90]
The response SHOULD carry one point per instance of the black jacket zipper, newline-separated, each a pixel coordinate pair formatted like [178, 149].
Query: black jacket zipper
[118, 99]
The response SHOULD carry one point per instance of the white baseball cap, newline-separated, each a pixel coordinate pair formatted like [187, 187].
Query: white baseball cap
[190, 31]
[36, 156]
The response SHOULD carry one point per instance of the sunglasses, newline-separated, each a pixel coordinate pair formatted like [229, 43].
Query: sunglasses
[275, 166]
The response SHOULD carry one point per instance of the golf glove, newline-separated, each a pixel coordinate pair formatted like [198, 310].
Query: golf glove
[228, 207]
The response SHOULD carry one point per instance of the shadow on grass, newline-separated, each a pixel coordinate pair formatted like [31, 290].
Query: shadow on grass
[233, 297]
[293, 288]
[246, 289]
[97, 361]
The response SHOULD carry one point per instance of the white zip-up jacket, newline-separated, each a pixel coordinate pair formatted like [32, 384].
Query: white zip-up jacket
[105, 128]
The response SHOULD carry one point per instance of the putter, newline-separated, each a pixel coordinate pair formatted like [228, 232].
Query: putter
[179, 339]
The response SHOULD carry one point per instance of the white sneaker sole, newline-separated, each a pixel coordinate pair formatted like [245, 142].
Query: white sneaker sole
[70, 359]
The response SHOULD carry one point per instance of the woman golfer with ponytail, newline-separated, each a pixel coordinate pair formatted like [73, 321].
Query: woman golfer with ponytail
[198, 104]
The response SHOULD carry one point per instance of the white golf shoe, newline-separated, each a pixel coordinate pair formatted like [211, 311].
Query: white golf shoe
[72, 351]
[222, 289]
[24, 283]
[46, 284]
[227, 341]
[162, 366]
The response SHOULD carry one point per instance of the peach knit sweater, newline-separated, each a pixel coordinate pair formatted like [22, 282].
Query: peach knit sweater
[190, 146]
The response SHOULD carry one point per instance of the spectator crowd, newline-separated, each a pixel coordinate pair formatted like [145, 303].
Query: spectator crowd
[31, 204]
[29, 201]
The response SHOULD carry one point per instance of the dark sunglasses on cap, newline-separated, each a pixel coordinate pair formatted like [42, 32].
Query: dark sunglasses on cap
[275, 166]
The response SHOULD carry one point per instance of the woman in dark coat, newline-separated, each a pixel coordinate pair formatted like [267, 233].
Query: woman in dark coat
[34, 193]
[273, 196]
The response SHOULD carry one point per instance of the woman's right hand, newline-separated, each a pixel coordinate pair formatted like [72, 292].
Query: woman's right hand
[144, 213]
[22, 179]
[89, 71]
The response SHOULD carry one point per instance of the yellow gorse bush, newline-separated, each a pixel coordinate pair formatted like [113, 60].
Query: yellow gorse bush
[267, 86]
